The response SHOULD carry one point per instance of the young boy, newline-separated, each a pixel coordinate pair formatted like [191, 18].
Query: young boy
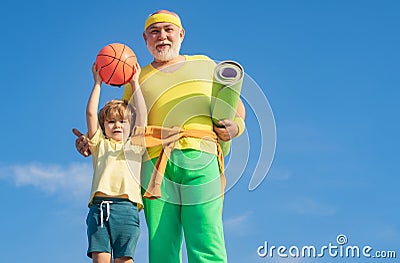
[115, 199]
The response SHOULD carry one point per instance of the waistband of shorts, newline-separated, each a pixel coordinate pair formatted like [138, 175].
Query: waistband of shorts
[98, 199]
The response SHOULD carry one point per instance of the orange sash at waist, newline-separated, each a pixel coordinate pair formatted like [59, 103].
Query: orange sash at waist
[152, 136]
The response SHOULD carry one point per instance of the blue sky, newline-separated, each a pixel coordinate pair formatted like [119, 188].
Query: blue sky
[329, 71]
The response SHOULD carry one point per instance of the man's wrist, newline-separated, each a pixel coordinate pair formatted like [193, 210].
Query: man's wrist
[241, 125]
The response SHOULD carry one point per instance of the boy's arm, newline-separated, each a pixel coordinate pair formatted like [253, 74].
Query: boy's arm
[138, 100]
[93, 104]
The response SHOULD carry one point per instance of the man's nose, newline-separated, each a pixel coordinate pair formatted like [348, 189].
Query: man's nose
[163, 35]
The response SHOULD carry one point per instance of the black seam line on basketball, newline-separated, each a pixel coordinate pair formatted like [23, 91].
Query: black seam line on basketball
[109, 57]
[115, 52]
[105, 55]
[115, 68]
[114, 58]
[123, 65]
[124, 62]
[132, 67]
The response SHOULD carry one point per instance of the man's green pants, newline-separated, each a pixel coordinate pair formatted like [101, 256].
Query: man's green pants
[191, 203]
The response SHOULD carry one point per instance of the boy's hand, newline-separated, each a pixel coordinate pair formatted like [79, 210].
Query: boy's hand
[96, 75]
[135, 78]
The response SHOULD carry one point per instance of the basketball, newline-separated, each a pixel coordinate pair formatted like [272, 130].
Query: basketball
[117, 64]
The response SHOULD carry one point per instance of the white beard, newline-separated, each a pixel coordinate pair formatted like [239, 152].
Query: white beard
[166, 55]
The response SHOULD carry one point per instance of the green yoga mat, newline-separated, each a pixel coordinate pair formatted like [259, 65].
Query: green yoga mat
[227, 84]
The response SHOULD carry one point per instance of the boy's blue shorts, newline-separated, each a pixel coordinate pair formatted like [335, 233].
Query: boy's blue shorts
[113, 227]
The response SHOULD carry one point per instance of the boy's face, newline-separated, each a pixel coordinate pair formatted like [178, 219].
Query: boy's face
[118, 130]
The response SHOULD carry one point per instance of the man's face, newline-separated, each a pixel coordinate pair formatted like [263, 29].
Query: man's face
[164, 41]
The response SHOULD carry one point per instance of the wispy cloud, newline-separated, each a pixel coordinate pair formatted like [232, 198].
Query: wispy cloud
[238, 224]
[309, 206]
[73, 180]
[236, 221]
[278, 174]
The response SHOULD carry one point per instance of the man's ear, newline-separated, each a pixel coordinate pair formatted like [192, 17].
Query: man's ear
[144, 37]
[182, 34]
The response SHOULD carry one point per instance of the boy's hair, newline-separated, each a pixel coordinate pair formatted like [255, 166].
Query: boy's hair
[116, 110]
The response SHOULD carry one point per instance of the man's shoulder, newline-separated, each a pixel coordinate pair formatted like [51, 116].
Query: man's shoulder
[201, 61]
[197, 57]
[146, 68]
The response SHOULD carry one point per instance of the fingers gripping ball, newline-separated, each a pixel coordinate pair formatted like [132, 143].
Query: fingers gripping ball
[117, 64]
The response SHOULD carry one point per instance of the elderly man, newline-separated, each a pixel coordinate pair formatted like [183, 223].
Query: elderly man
[178, 89]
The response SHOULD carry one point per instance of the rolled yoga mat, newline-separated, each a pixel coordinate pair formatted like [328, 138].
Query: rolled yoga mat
[227, 84]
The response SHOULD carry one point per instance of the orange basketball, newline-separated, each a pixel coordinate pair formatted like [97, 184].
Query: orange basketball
[117, 64]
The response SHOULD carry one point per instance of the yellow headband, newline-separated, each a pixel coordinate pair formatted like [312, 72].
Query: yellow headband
[162, 17]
